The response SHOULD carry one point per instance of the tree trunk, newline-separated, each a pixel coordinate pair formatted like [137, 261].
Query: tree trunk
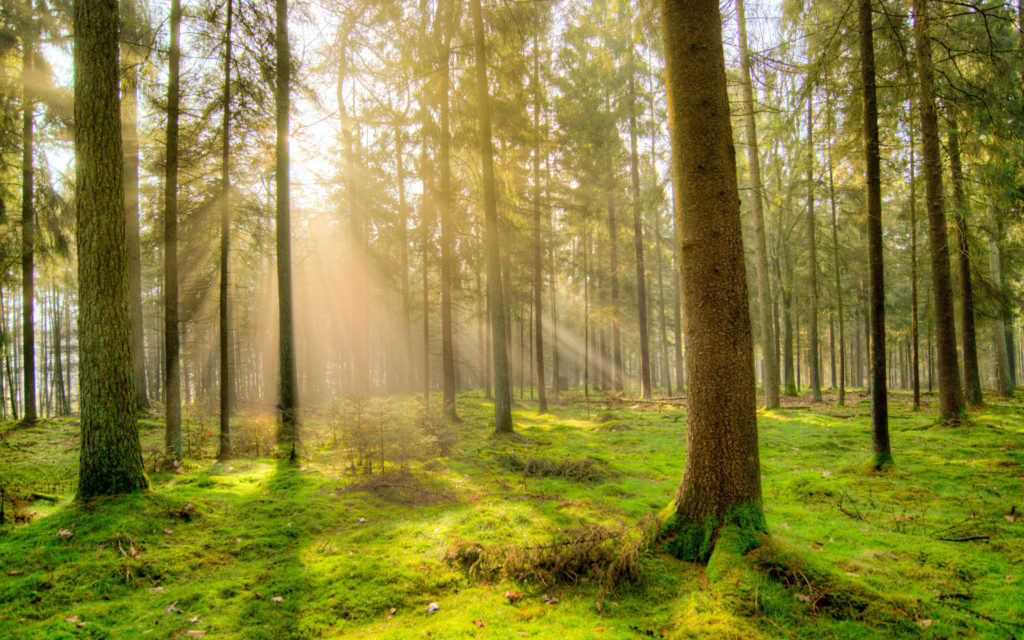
[638, 234]
[770, 363]
[288, 425]
[538, 250]
[950, 396]
[172, 382]
[1004, 383]
[972, 379]
[502, 392]
[613, 274]
[111, 458]
[873, 182]
[812, 261]
[445, 190]
[721, 483]
[226, 379]
[28, 224]
[914, 323]
[130, 134]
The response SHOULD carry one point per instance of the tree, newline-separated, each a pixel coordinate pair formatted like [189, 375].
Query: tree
[770, 362]
[502, 389]
[538, 270]
[876, 272]
[288, 421]
[226, 381]
[812, 260]
[28, 223]
[721, 483]
[445, 189]
[972, 381]
[111, 457]
[638, 229]
[950, 396]
[172, 347]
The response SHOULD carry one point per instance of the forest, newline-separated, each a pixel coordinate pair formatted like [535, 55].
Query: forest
[511, 318]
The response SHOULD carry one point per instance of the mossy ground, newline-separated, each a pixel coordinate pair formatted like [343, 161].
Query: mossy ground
[267, 550]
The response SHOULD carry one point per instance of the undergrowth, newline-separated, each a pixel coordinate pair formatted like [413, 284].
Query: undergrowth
[430, 529]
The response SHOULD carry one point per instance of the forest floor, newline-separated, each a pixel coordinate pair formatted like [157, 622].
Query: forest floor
[256, 548]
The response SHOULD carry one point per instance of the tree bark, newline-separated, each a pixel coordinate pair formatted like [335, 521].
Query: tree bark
[914, 321]
[172, 381]
[836, 264]
[538, 249]
[288, 425]
[226, 379]
[502, 391]
[28, 224]
[110, 458]
[950, 395]
[972, 379]
[812, 261]
[721, 482]
[638, 233]
[445, 189]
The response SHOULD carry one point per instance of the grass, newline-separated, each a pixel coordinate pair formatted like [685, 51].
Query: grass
[932, 547]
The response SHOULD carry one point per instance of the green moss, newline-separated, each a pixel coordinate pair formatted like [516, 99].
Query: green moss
[695, 541]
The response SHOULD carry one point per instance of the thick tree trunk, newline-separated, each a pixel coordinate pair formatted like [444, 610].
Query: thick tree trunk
[172, 382]
[950, 395]
[770, 363]
[873, 182]
[28, 224]
[502, 391]
[288, 425]
[111, 458]
[721, 483]
[226, 379]
[972, 379]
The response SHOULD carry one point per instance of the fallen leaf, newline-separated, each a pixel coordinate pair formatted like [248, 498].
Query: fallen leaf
[1010, 518]
[168, 531]
[72, 619]
[156, 590]
[194, 619]
[480, 623]
[65, 533]
[195, 633]
[803, 597]
[432, 607]
[362, 519]
[13, 573]
[549, 599]
[925, 623]
[173, 608]
[513, 596]
[277, 599]
[258, 595]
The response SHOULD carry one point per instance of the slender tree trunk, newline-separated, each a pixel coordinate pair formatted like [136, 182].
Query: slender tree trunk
[677, 303]
[538, 249]
[111, 459]
[502, 392]
[556, 372]
[288, 426]
[914, 323]
[28, 224]
[721, 483]
[950, 395]
[226, 379]
[130, 134]
[445, 189]
[972, 379]
[11, 387]
[172, 382]
[638, 235]
[1004, 384]
[812, 260]
[403, 246]
[770, 363]
[613, 274]
[873, 181]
